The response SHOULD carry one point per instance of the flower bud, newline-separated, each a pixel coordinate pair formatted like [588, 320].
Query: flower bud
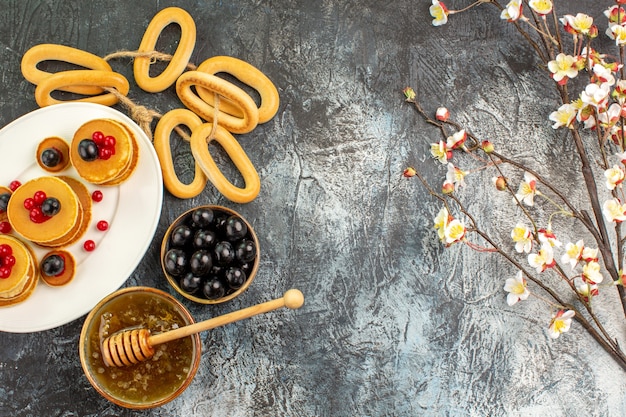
[409, 94]
[442, 114]
[447, 188]
[500, 183]
[409, 172]
[487, 146]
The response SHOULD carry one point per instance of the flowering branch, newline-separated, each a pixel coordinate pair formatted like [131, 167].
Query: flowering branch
[596, 329]
[600, 109]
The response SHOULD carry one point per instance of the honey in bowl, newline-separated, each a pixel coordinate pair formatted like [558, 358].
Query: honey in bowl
[147, 384]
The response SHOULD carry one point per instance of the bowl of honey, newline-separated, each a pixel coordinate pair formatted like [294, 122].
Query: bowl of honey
[150, 383]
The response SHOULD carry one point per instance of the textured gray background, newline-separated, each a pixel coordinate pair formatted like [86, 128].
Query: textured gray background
[393, 325]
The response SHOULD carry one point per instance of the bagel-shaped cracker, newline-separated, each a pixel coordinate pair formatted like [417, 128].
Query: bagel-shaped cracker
[200, 139]
[62, 80]
[163, 150]
[247, 74]
[223, 88]
[180, 59]
[52, 52]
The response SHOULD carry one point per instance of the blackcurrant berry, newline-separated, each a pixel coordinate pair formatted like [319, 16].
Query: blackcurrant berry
[88, 150]
[53, 265]
[50, 206]
[50, 157]
[4, 201]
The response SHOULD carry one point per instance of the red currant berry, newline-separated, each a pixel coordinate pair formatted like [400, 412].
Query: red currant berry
[14, 185]
[102, 225]
[97, 196]
[109, 142]
[89, 245]
[36, 216]
[5, 250]
[9, 261]
[5, 271]
[39, 197]
[5, 227]
[104, 153]
[98, 137]
[29, 204]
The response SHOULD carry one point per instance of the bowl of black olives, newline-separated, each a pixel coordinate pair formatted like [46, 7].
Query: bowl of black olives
[210, 254]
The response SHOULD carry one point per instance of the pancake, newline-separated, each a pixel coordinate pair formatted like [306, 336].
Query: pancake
[100, 171]
[66, 275]
[55, 227]
[71, 236]
[21, 282]
[58, 144]
[3, 213]
[84, 215]
[133, 163]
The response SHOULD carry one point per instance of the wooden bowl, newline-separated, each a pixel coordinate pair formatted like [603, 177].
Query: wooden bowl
[175, 281]
[161, 379]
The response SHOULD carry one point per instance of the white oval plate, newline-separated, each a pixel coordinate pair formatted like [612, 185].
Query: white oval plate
[132, 210]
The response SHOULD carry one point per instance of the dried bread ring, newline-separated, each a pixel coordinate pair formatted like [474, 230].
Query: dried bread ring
[223, 88]
[52, 52]
[180, 59]
[163, 150]
[247, 74]
[200, 139]
[62, 80]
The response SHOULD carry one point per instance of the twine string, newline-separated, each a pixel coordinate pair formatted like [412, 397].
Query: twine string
[144, 116]
[153, 55]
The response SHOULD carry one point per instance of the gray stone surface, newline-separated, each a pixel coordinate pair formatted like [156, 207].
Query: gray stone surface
[393, 325]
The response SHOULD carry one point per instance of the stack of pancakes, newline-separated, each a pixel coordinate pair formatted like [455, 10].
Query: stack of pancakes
[24, 276]
[62, 229]
[117, 168]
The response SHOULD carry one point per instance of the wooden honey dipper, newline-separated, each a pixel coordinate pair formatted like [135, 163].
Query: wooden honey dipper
[132, 346]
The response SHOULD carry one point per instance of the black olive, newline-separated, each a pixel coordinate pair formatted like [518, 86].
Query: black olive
[235, 228]
[200, 262]
[224, 253]
[214, 289]
[175, 261]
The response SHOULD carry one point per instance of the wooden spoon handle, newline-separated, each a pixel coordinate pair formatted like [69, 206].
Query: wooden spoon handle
[291, 299]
